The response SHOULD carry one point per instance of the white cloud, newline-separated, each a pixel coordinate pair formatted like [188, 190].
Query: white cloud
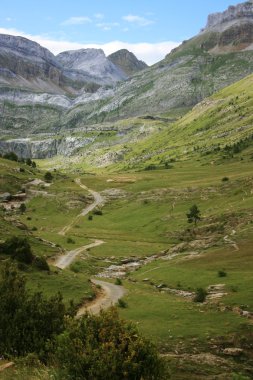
[107, 25]
[76, 21]
[99, 16]
[141, 21]
[148, 52]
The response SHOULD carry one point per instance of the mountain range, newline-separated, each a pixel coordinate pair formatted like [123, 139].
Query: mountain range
[42, 95]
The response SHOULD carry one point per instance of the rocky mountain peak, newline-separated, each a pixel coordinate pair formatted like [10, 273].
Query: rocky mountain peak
[23, 46]
[93, 62]
[238, 14]
[127, 61]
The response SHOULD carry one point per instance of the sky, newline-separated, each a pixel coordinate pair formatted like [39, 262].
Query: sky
[148, 28]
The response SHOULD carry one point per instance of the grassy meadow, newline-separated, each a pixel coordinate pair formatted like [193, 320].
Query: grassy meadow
[209, 163]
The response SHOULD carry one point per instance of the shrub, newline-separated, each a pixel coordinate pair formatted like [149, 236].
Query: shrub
[225, 179]
[97, 212]
[28, 162]
[150, 167]
[118, 281]
[10, 156]
[70, 240]
[41, 263]
[18, 248]
[222, 273]
[106, 347]
[90, 217]
[200, 295]
[121, 303]
[22, 208]
[28, 322]
[48, 177]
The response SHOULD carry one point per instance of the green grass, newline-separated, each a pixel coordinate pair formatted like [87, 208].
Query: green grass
[73, 286]
[202, 271]
[166, 319]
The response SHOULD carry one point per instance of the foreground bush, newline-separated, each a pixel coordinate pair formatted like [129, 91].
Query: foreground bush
[18, 248]
[28, 322]
[106, 347]
[102, 347]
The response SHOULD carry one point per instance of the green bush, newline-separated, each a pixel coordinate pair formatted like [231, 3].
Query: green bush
[200, 295]
[10, 156]
[97, 212]
[121, 303]
[48, 177]
[41, 263]
[28, 322]
[22, 208]
[18, 248]
[150, 167]
[106, 347]
[222, 273]
[118, 281]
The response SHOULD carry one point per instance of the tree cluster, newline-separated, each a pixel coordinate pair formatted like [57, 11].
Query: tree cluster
[28, 322]
[92, 347]
[19, 249]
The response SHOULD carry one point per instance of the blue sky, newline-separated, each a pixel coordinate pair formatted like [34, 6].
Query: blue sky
[149, 28]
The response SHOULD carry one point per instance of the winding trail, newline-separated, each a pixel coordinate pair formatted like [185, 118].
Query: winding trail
[110, 296]
[65, 260]
[98, 200]
[110, 293]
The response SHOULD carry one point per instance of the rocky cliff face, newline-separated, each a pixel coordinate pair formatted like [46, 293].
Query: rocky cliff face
[27, 65]
[233, 15]
[127, 62]
[92, 62]
[44, 148]
[231, 30]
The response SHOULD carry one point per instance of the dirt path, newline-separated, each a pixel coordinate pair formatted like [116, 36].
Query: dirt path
[110, 296]
[98, 200]
[110, 293]
[65, 260]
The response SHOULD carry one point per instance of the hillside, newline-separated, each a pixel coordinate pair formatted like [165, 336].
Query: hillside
[218, 128]
[218, 56]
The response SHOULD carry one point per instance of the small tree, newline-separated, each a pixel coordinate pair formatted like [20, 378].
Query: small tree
[10, 156]
[28, 162]
[200, 295]
[22, 208]
[48, 177]
[18, 248]
[193, 215]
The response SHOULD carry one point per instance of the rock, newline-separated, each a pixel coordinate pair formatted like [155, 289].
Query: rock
[234, 14]
[233, 351]
[20, 225]
[5, 197]
[47, 148]
[94, 63]
[37, 68]
[160, 286]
